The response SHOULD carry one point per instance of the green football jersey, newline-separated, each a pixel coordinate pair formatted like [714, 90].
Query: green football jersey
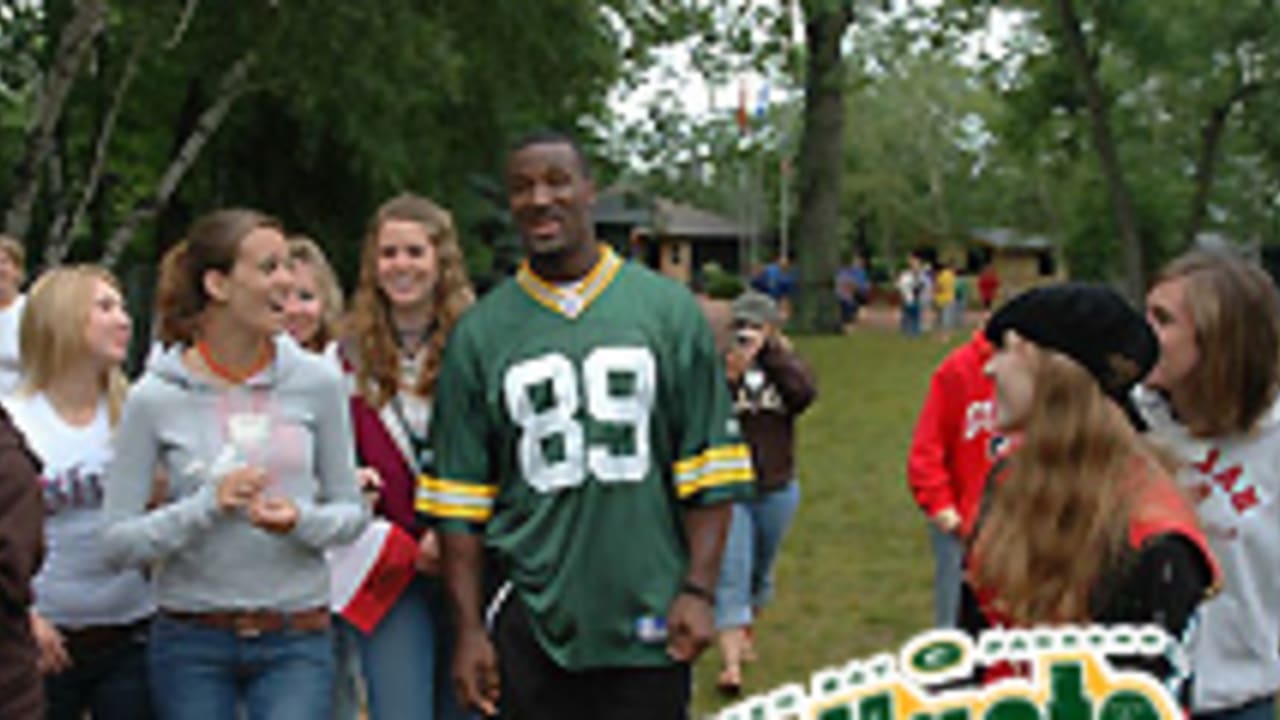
[569, 427]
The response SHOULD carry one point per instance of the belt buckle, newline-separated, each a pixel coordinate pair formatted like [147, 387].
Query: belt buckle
[245, 627]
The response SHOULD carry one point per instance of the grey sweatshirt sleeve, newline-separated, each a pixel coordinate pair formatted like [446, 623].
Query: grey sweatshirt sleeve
[337, 516]
[133, 534]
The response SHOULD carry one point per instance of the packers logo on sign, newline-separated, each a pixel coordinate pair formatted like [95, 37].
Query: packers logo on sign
[1050, 674]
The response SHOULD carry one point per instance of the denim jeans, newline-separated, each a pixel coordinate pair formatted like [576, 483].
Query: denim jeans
[109, 682]
[1263, 708]
[203, 673]
[346, 671]
[948, 556]
[406, 660]
[746, 569]
[911, 319]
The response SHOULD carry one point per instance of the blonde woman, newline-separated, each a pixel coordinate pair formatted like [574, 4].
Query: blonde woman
[1214, 401]
[1081, 523]
[413, 287]
[90, 619]
[13, 260]
[314, 305]
[257, 444]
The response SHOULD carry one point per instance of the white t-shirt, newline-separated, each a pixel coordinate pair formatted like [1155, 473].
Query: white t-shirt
[76, 587]
[10, 367]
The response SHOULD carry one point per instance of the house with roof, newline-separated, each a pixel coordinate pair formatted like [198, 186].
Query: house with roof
[674, 238]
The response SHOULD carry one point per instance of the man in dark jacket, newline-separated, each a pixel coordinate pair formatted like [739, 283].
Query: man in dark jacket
[21, 549]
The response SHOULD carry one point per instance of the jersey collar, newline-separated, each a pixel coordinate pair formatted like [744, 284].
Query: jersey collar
[573, 300]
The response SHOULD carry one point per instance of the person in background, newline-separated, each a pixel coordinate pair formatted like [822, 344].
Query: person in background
[90, 619]
[21, 549]
[952, 451]
[770, 386]
[777, 280]
[256, 441]
[1214, 401]
[912, 288]
[944, 301]
[13, 258]
[988, 286]
[314, 304]
[413, 288]
[1082, 523]
[853, 289]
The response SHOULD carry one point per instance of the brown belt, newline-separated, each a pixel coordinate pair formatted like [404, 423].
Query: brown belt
[252, 623]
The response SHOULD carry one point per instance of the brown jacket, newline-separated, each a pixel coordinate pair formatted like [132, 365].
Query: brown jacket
[767, 399]
[21, 549]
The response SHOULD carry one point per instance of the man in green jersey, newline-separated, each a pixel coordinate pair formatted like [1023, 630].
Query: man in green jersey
[583, 441]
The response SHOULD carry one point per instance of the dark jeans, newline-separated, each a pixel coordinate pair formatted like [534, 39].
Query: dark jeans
[203, 673]
[534, 687]
[110, 682]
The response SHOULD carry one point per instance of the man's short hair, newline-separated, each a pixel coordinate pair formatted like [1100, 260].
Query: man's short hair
[546, 136]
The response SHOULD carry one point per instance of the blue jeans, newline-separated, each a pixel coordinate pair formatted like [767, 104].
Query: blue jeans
[911, 319]
[746, 569]
[1263, 708]
[204, 673]
[948, 557]
[110, 682]
[406, 660]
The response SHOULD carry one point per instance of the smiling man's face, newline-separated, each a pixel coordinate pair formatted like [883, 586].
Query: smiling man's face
[550, 197]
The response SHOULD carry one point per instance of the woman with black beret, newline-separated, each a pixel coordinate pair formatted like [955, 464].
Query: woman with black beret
[1081, 521]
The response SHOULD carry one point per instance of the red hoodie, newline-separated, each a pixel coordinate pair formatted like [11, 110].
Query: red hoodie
[953, 446]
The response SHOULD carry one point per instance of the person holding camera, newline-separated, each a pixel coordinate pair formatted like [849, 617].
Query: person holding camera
[770, 386]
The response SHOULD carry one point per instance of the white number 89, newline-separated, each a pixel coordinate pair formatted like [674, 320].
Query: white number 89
[557, 417]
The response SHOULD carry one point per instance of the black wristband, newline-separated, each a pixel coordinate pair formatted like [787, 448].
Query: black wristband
[688, 587]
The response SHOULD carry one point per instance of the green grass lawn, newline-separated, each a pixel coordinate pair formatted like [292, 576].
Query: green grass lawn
[855, 572]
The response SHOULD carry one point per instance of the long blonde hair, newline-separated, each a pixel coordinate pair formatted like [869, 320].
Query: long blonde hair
[1060, 512]
[51, 335]
[370, 338]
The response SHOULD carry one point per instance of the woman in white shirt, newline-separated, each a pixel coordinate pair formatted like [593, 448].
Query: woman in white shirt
[90, 618]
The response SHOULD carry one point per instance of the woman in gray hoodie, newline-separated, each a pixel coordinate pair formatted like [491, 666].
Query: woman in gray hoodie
[255, 436]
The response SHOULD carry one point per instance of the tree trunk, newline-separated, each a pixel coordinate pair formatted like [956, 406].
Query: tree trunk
[821, 165]
[1134, 279]
[73, 46]
[229, 88]
[1207, 160]
[61, 234]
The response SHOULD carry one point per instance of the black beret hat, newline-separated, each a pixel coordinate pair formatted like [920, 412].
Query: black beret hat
[1092, 324]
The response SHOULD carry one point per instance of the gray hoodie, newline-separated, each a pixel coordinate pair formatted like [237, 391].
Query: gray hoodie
[292, 419]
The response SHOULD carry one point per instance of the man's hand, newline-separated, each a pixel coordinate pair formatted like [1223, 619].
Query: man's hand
[475, 672]
[53, 657]
[690, 627]
[428, 560]
[948, 521]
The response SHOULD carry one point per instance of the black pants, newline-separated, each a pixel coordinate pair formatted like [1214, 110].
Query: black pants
[534, 687]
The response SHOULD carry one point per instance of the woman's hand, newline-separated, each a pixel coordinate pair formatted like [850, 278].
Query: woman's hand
[240, 487]
[370, 483]
[53, 657]
[275, 515]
